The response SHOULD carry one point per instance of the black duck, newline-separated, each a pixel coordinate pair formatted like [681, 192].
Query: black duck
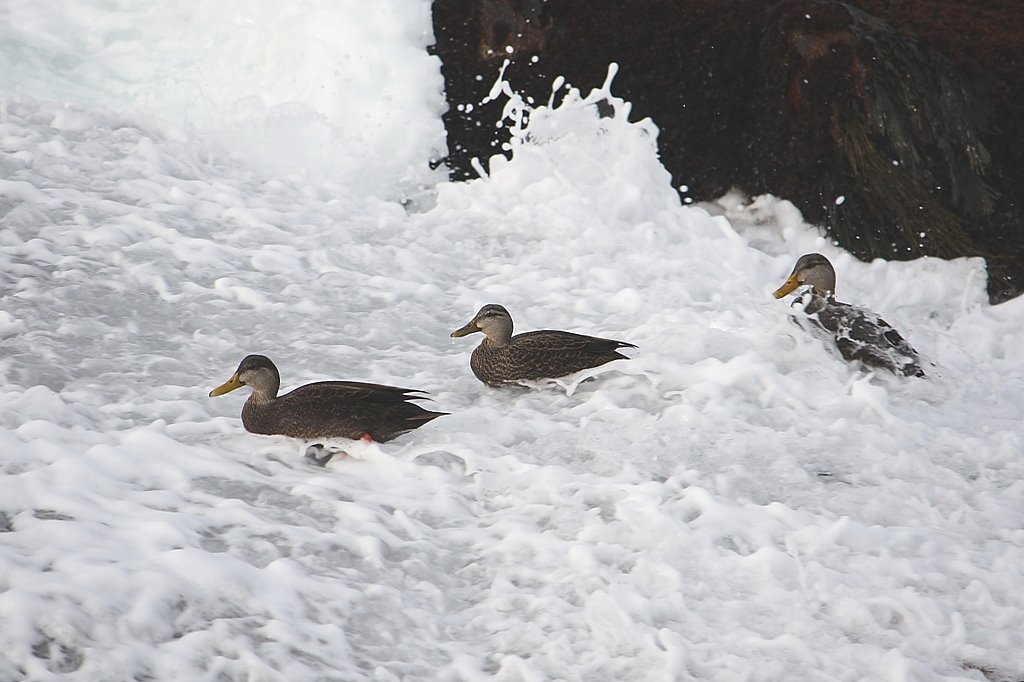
[502, 358]
[860, 334]
[325, 409]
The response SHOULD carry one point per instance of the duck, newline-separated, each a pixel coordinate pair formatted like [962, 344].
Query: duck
[325, 409]
[859, 333]
[502, 358]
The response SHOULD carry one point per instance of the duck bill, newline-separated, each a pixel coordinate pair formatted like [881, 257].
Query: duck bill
[228, 386]
[466, 331]
[788, 286]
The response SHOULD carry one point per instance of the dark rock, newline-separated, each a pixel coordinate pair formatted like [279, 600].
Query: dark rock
[808, 100]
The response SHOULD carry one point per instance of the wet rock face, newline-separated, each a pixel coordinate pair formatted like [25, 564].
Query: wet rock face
[881, 121]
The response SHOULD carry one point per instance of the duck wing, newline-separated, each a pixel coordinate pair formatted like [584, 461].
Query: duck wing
[862, 335]
[347, 409]
[549, 353]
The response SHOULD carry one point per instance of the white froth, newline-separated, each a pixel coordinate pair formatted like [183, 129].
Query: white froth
[183, 185]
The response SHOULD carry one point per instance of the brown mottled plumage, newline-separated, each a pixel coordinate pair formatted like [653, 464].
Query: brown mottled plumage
[860, 334]
[326, 409]
[547, 354]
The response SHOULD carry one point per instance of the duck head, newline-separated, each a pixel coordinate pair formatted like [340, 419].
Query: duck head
[814, 270]
[255, 371]
[493, 320]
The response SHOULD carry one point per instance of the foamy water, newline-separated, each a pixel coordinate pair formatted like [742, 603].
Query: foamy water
[734, 503]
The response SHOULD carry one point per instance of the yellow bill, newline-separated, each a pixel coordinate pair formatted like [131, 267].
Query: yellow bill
[228, 386]
[788, 286]
[467, 330]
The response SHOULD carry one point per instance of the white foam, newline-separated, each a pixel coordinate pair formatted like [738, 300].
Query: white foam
[735, 501]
